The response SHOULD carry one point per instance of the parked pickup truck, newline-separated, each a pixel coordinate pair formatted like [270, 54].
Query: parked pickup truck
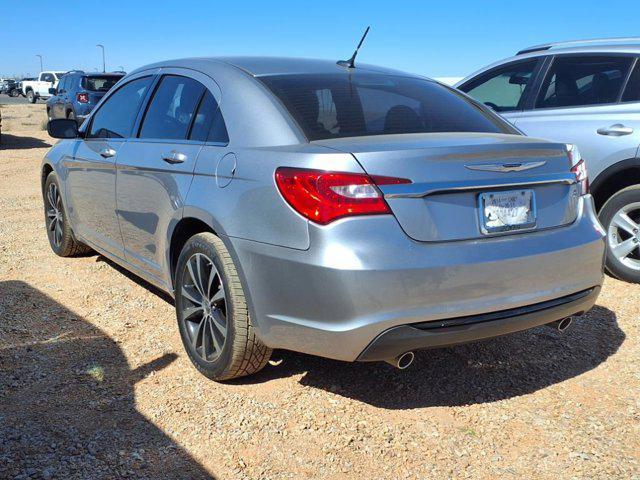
[39, 88]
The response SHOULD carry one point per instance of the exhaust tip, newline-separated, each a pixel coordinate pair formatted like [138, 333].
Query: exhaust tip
[561, 325]
[404, 361]
[564, 324]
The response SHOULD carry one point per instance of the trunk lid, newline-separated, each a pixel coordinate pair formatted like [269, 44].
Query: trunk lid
[450, 172]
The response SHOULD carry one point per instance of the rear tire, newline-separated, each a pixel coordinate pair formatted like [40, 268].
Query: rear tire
[59, 232]
[215, 328]
[31, 97]
[620, 217]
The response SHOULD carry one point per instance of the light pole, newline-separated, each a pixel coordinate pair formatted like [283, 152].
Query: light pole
[104, 68]
[40, 57]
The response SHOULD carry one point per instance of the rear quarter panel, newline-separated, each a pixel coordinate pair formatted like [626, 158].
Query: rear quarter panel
[237, 191]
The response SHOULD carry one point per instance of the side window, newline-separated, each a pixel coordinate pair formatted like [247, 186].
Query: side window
[171, 109]
[117, 115]
[502, 88]
[62, 84]
[632, 91]
[208, 124]
[580, 81]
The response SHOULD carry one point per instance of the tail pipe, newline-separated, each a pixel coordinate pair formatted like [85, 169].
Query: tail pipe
[561, 325]
[402, 361]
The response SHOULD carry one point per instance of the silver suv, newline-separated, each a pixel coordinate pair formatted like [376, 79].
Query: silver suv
[353, 213]
[587, 93]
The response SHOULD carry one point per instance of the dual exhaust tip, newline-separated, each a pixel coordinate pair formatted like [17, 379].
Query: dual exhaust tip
[404, 361]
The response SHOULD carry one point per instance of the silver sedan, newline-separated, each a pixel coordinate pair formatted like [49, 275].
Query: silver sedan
[357, 213]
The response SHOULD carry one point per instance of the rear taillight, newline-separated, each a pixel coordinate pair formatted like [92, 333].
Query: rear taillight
[82, 97]
[578, 168]
[326, 196]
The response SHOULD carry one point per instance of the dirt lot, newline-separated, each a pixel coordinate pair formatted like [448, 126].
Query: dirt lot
[94, 382]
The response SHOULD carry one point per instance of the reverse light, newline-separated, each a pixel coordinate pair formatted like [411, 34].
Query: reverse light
[323, 197]
[82, 97]
[578, 168]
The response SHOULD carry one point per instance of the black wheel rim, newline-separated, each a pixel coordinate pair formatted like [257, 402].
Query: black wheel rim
[55, 219]
[203, 309]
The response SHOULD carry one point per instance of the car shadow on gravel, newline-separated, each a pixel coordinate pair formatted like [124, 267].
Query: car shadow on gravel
[67, 405]
[474, 373]
[14, 142]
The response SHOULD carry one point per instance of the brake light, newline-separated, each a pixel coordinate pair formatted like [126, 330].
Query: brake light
[82, 97]
[323, 197]
[579, 168]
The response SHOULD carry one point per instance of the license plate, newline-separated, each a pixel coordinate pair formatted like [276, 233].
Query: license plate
[507, 211]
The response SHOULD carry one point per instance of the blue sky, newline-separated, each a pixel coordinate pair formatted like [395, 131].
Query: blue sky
[430, 38]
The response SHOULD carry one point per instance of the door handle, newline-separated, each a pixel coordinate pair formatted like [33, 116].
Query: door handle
[107, 152]
[174, 157]
[616, 130]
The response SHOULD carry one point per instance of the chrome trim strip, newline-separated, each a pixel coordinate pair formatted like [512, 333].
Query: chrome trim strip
[418, 190]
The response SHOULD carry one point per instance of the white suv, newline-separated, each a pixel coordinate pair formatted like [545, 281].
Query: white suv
[587, 93]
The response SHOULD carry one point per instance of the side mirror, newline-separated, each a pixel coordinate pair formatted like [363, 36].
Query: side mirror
[53, 91]
[63, 128]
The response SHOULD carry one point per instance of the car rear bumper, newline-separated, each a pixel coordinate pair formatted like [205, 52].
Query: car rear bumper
[398, 340]
[364, 276]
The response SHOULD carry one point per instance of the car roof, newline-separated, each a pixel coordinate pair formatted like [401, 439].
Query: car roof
[264, 66]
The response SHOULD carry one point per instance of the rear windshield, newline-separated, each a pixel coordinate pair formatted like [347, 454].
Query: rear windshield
[100, 84]
[361, 104]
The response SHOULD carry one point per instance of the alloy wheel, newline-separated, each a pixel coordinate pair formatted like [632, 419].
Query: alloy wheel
[623, 236]
[204, 307]
[55, 218]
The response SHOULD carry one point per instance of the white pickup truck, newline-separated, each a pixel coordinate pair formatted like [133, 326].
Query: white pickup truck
[35, 89]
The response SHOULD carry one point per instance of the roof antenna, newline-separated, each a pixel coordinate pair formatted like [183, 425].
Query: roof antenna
[351, 62]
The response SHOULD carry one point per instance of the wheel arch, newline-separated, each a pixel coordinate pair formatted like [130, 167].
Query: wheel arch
[193, 221]
[183, 230]
[616, 177]
[47, 168]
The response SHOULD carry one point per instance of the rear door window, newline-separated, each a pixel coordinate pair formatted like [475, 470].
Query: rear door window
[173, 106]
[576, 81]
[503, 88]
[208, 124]
[117, 115]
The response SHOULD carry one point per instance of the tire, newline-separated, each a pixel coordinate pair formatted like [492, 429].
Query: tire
[236, 351]
[31, 97]
[623, 205]
[14, 93]
[59, 232]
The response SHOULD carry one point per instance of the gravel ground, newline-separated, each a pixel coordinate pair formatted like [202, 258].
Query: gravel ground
[94, 382]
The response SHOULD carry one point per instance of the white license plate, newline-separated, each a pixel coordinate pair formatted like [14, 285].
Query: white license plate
[507, 211]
